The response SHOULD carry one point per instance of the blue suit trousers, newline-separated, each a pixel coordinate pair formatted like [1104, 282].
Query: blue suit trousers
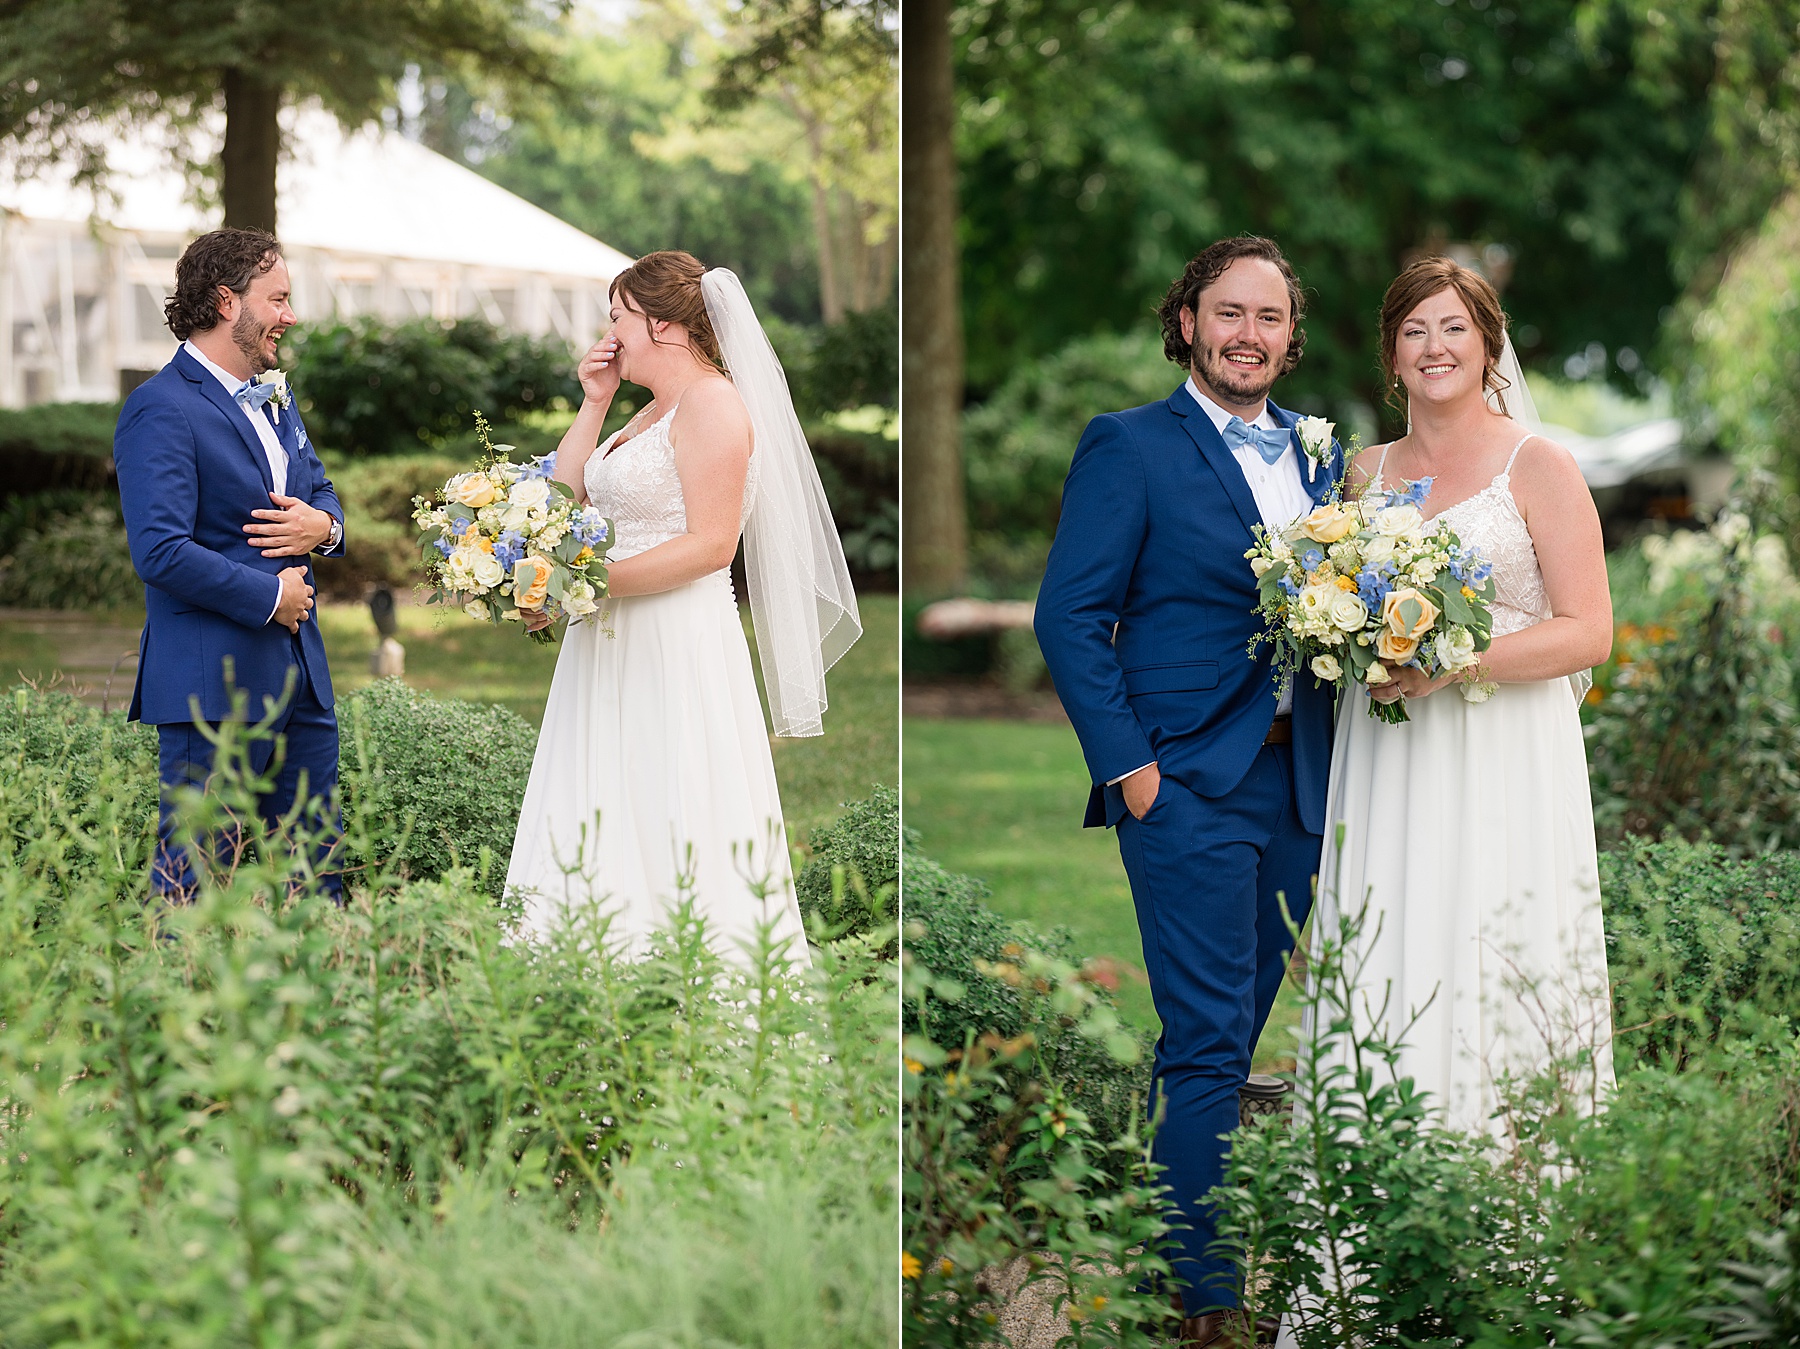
[1206, 874]
[306, 731]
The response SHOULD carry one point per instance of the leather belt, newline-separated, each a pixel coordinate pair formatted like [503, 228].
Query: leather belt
[1281, 733]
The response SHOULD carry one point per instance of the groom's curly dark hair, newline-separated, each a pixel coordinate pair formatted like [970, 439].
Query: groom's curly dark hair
[1207, 267]
[232, 258]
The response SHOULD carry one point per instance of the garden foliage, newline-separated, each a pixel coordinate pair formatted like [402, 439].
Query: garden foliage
[1000, 1161]
[264, 1120]
[1369, 1223]
[373, 387]
[1696, 730]
[66, 549]
[852, 880]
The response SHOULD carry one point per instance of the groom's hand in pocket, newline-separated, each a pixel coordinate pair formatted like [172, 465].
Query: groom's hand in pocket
[296, 599]
[1141, 790]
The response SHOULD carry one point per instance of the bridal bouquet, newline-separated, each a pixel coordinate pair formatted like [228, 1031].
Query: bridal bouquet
[506, 539]
[1351, 592]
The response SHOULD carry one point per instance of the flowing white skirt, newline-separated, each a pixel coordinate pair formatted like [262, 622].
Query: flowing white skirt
[1469, 834]
[653, 778]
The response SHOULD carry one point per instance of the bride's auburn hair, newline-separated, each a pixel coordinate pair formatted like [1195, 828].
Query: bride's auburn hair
[1417, 284]
[666, 286]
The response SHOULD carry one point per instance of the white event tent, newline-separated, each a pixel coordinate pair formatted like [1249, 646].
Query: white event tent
[370, 222]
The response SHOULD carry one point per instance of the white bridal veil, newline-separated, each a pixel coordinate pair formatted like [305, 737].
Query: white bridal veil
[1515, 401]
[800, 597]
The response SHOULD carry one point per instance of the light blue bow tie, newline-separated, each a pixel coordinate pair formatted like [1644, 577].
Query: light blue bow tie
[1269, 444]
[254, 395]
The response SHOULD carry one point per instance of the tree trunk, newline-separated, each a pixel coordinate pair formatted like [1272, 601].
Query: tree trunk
[934, 519]
[252, 143]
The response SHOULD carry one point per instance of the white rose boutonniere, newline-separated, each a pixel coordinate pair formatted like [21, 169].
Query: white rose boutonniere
[277, 380]
[1315, 439]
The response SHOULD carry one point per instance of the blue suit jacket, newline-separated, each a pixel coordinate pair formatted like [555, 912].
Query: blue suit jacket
[1148, 605]
[191, 470]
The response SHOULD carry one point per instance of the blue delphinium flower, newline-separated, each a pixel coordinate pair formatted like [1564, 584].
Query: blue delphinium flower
[444, 546]
[1311, 558]
[544, 467]
[1416, 492]
[1372, 587]
[590, 527]
[1291, 589]
[509, 548]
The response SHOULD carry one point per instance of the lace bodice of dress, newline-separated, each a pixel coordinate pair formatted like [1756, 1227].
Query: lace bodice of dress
[1490, 523]
[637, 487]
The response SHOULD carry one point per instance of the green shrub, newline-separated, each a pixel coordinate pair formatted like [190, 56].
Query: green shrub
[1019, 443]
[376, 495]
[999, 1158]
[952, 934]
[849, 364]
[1702, 945]
[372, 387]
[863, 847]
[262, 1119]
[1369, 1223]
[447, 777]
[66, 550]
[437, 781]
[1699, 734]
[860, 472]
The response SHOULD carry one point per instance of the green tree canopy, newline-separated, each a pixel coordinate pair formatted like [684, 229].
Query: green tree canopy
[72, 69]
[1102, 144]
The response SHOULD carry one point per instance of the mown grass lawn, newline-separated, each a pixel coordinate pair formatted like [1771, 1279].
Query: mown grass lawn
[449, 655]
[1003, 800]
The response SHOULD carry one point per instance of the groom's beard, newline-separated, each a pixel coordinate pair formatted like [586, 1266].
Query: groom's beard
[248, 336]
[1242, 384]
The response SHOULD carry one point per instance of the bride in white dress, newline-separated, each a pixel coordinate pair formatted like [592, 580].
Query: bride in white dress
[1468, 831]
[653, 779]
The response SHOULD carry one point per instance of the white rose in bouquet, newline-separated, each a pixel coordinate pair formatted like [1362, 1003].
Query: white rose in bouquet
[476, 609]
[1456, 648]
[1379, 550]
[1347, 612]
[578, 599]
[487, 571]
[1398, 522]
[1327, 668]
[532, 493]
[1376, 674]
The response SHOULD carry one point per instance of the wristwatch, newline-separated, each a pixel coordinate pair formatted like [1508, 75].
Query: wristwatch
[337, 535]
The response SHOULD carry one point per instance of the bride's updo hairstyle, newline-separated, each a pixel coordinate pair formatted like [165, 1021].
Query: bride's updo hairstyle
[1417, 284]
[666, 286]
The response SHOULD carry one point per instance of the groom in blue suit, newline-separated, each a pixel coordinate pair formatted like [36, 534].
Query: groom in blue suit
[224, 500]
[1213, 776]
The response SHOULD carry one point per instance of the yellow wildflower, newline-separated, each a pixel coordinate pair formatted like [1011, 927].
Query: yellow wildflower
[914, 1066]
[585, 556]
[910, 1268]
[1468, 593]
[946, 1266]
[1346, 583]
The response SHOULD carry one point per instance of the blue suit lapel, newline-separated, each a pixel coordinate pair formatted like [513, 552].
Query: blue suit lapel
[214, 393]
[1213, 448]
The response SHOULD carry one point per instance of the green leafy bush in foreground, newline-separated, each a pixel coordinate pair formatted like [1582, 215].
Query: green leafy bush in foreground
[1367, 1222]
[852, 879]
[263, 1120]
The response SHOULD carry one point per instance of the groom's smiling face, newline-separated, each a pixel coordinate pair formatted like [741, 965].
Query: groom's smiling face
[260, 316]
[1240, 328]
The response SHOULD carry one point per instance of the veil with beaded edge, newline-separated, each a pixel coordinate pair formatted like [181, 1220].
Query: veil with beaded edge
[801, 601]
[1515, 401]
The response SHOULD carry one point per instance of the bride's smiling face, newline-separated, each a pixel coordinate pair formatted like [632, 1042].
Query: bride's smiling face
[637, 335]
[1439, 353]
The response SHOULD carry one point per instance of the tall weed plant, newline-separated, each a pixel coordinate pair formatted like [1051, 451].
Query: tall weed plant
[261, 1119]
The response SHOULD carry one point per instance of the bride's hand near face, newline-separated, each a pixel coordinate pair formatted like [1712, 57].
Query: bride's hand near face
[598, 373]
[712, 440]
[599, 370]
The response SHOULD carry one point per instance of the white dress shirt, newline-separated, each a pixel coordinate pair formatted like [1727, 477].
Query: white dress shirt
[265, 429]
[1277, 488]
